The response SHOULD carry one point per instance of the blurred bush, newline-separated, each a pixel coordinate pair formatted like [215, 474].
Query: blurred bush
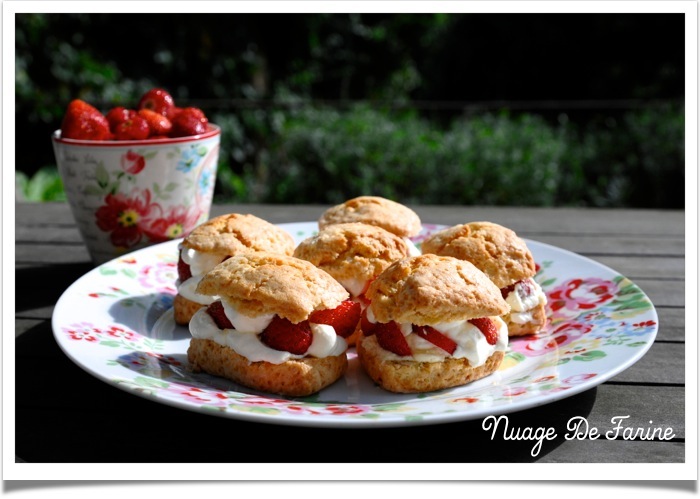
[325, 155]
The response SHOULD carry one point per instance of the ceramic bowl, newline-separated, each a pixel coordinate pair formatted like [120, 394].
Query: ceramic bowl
[126, 195]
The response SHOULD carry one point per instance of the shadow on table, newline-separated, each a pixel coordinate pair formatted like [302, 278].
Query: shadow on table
[64, 414]
[31, 295]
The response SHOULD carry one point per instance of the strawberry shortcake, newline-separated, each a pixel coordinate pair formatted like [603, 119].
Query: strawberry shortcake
[506, 260]
[354, 254]
[276, 325]
[375, 210]
[213, 242]
[433, 322]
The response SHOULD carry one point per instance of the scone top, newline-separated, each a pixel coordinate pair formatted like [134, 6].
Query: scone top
[258, 283]
[432, 289]
[495, 250]
[352, 250]
[235, 233]
[374, 210]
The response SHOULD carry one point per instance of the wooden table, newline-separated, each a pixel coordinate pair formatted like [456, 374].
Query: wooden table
[64, 415]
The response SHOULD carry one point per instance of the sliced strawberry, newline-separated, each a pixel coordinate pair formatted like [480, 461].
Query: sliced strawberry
[390, 337]
[183, 270]
[216, 310]
[343, 318]
[507, 290]
[487, 328]
[436, 338]
[525, 289]
[281, 334]
[84, 122]
[367, 326]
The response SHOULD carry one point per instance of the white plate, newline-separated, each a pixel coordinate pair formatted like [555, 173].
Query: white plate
[116, 323]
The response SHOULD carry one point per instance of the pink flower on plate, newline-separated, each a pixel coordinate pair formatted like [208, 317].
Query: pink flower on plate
[578, 378]
[177, 222]
[125, 217]
[118, 332]
[132, 162]
[83, 331]
[563, 334]
[160, 276]
[578, 295]
[203, 397]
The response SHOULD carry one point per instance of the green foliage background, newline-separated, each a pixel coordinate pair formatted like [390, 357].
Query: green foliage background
[319, 108]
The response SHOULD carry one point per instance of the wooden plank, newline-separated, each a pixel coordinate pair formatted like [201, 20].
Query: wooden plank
[671, 324]
[645, 266]
[627, 246]
[664, 363]
[663, 293]
[663, 405]
[44, 254]
[614, 451]
[575, 221]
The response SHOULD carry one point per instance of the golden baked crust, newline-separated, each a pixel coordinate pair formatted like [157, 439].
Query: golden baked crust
[259, 283]
[374, 210]
[538, 322]
[429, 289]
[352, 250]
[184, 309]
[495, 250]
[407, 376]
[294, 378]
[236, 233]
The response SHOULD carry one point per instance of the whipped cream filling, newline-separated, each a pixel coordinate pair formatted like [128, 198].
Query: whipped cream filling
[412, 248]
[525, 297]
[471, 342]
[200, 263]
[353, 286]
[246, 341]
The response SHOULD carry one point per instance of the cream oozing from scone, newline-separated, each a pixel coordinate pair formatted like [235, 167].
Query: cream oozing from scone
[412, 248]
[244, 338]
[200, 263]
[471, 342]
[525, 297]
[353, 286]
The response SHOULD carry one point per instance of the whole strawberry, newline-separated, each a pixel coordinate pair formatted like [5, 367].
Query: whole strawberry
[159, 101]
[189, 121]
[133, 128]
[158, 124]
[118, 115]
[282, 334]
[84, 122]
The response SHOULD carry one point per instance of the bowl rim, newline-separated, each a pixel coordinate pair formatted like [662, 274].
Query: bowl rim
[213, 131]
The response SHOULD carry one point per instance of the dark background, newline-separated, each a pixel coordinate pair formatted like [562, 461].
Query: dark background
[614, 81]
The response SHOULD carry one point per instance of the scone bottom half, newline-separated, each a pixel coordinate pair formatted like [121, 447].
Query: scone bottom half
[432, 323]
[291, 345]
